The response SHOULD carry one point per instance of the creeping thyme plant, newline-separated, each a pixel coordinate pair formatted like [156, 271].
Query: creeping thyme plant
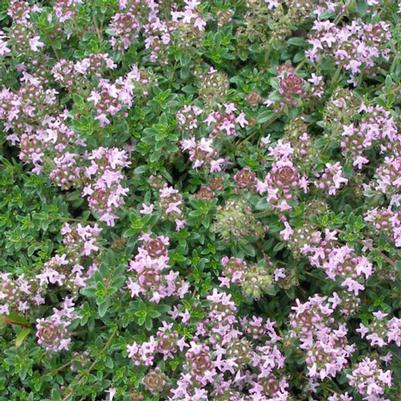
[200, 200]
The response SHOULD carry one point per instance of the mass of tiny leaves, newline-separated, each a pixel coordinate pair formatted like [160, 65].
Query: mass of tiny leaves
[200, 200]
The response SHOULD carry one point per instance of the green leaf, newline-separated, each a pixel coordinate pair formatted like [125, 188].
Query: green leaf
[14, 317]
[297, 41]
[22, 336]
[103, 307]
[264, 116]
[148, 324]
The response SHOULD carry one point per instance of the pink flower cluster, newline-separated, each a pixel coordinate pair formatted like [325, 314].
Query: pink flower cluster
[67, 73]
[386, 221]
[81, 240]
[387, 177]
[52, 333]
[152, 277]
[135, 17]
[332, 178]
[245, 179]
[283, 181]
[202, 153]
[72, 268]
[369, 379]
[226, 122]
[292, 89]
[381, 331]
[23, 36]
[321, 337]
[226, 357]
[103, 189]
[125, 26]
[167, 343]
[157, 33]
[67, 171]
[20, 294]
[171, 204]
[290, 84]
[376, 126]
[189, 15]
[23, 112]
[110, 98]
[66, 9]
[355, 46]
[338, 262]
[234, 270]
[187, 117]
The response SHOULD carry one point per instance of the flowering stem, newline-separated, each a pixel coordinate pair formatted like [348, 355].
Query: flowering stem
[54, 371]
[274, 117]
[98, 31]
[396, 356]
[265, 213]
[342, 14]
[300, 65]
[87, 371]
[7, 320]
[387, 259]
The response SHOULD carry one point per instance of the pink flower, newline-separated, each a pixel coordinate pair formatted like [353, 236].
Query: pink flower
[241, 120]
[4, 50]
[352, 285]
[146, 209]
[35, 44]
[287, 232]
